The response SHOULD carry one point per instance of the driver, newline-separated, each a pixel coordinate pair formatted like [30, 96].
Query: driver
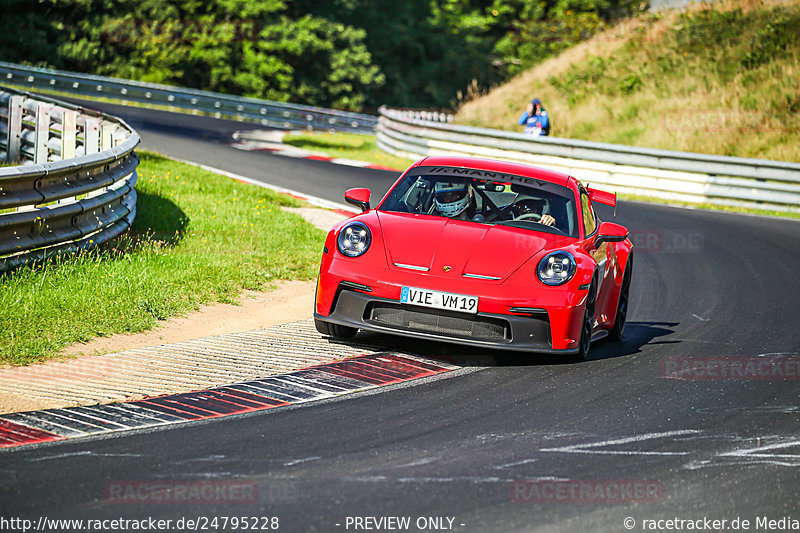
[454, 200]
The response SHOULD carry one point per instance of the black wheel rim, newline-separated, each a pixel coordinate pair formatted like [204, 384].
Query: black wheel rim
[622, 313]
[622, 308]
[586, 327]
[586, 334]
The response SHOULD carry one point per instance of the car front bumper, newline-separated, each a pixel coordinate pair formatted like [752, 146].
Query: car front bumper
[520, 332]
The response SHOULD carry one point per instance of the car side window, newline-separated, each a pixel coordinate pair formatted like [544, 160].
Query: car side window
[589, 220]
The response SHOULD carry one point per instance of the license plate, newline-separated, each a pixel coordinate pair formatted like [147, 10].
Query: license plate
[439, 300]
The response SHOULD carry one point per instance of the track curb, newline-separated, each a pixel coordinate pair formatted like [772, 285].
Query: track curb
[301, 386]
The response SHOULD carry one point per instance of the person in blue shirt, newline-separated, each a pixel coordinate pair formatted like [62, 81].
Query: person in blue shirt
[535, 119]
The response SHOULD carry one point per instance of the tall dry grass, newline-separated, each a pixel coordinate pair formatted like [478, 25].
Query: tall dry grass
[722, 78]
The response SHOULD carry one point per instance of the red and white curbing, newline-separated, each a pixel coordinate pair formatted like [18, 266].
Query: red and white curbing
[318, 382]
[271, 141]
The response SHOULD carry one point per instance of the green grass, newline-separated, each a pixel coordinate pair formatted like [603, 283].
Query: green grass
[198, 238]
[348, 146]
[718, 78]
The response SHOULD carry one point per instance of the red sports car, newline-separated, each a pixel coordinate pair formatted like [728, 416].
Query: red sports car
[478, 252]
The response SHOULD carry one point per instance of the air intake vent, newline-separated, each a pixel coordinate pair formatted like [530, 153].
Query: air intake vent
[439, 322]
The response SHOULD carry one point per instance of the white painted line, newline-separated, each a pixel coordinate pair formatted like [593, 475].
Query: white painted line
[300, 461]
[138, 412]
[309, 384]
[48, 425]
[516, 463]
[350, 162]
[303, 386]
[433, 362]
[58, 456]
[467, 479]
[585, 448]
[292, 153]
[754, 452]
[313, 200]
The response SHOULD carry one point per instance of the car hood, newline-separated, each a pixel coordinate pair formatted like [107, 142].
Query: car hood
[436, 243]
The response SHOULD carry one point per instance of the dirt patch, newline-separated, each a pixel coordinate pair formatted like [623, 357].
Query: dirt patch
[87, 363]
[290, 301]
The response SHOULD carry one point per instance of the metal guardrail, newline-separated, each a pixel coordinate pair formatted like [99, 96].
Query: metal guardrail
[686, 176]
[265, 112]
[659, 173]
[73, 187]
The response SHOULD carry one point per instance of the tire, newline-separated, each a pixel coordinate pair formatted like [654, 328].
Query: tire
[335, 330]
[586, 325]
[618, 330]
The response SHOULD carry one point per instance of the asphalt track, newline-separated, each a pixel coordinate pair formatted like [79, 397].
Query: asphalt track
[706, 285]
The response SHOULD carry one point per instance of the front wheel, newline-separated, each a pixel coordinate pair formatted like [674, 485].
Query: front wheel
[622, 307]
[335, 330]
[586, 325]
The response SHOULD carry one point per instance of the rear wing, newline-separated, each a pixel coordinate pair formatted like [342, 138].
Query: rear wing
[602, 197]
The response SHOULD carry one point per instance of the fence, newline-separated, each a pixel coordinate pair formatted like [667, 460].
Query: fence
[265, 112]
[73, 186]
[701, 178]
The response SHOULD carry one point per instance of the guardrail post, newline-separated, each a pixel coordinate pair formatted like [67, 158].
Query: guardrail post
[91, 135]
[106, 137]
[71, 203]
[69, 137]
[41, 149]
[119, 136]
[14, 128]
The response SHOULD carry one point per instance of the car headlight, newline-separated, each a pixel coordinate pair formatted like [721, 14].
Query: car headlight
[354, 239]
[556, 268]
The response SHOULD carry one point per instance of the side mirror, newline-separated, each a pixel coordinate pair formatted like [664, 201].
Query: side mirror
[358, 197]
[610, 232]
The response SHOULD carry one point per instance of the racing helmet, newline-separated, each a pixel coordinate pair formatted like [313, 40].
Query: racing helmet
[452, 199]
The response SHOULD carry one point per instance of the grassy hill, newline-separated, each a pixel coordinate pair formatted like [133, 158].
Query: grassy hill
[721, 78]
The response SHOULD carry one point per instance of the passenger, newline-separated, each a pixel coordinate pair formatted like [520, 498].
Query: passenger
[529, 209]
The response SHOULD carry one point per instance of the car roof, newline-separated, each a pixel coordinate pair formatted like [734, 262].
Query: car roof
[506, 167]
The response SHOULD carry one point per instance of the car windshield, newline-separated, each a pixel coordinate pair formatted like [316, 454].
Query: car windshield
[504, 199]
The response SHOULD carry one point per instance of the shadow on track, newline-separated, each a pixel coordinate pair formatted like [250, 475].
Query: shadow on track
[637, 335]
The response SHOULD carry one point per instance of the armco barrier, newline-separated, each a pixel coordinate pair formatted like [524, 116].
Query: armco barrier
[658, 173]
[686, 176]
[73, 186]
[265, 112]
